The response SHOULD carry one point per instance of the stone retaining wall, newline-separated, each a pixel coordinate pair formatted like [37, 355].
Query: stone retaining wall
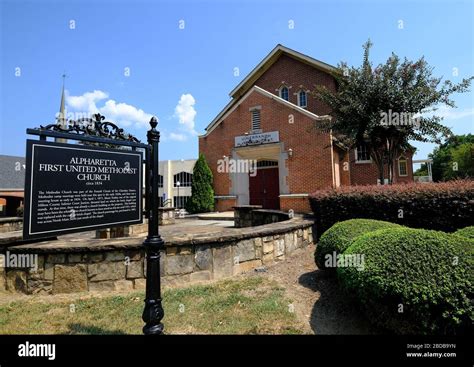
[93, 269]
[254, 215]
[11, 224]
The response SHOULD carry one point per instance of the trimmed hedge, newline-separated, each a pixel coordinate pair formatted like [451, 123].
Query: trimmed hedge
[445, 206]
[425, 272]
[466, 232]
[341, 235]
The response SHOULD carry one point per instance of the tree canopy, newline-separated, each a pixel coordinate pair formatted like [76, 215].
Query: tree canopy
[388, 105]
[453, 159]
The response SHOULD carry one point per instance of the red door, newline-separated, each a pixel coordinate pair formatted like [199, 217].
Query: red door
[264, 188]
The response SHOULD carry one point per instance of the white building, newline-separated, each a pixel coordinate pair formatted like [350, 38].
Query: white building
[175, 182]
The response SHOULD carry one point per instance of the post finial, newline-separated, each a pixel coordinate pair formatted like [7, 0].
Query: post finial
[153, 122]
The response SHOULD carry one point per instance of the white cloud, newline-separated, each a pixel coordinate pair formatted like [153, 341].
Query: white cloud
[186, 113]
[177, 137]
[124, 114]
[120, 113]
[86, 102]
[453, 113]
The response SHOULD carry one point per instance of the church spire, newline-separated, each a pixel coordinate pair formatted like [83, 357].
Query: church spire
[62, 112]
[61, 121]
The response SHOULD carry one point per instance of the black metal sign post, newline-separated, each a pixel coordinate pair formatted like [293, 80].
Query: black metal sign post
[153, 312]
[106, 134]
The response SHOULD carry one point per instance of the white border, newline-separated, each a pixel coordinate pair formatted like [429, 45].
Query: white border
[90, 150]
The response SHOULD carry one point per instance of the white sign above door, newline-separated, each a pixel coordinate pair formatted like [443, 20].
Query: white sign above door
[257, 139]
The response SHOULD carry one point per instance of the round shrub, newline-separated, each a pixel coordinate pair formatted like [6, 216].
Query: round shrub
[413, 281]
[466, 232]
[341, 235]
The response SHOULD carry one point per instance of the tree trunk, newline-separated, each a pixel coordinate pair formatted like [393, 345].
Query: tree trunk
[378, 159]
[392, 153]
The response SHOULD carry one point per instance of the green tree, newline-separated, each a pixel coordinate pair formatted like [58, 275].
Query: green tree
[422, 171]
[202, 193]
[405, 90]
[454, 158]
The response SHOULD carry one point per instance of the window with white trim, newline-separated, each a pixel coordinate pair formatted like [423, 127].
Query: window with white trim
[255, 119]
[362, 153]
[302, 98]
[284, 93]
[402, 166]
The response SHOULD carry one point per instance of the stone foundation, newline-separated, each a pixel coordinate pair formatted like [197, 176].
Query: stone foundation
[122, 267]
[11, 224]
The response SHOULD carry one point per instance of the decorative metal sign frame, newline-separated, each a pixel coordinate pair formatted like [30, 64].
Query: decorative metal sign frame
[105, 133]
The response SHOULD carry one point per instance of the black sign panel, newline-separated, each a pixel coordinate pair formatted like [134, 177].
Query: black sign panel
[74, 188]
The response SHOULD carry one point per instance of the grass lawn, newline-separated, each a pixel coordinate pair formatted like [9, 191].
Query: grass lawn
[246, 306]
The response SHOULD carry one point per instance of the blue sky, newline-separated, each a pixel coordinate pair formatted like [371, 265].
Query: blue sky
[176, 60]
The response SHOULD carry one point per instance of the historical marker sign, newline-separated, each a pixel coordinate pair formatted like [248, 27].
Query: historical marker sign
[74, 188]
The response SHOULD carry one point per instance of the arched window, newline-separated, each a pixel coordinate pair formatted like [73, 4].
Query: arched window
[302, 98]
[284, 93]
[185, 179]
[402, 166]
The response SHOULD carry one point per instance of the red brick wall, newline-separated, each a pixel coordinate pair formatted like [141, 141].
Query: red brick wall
[367, 173]
[296, 74]
[224, 205]
[309, 168]
[345, 173]
[298, 205]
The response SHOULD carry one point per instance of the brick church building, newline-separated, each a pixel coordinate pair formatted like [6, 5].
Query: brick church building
[272, 121]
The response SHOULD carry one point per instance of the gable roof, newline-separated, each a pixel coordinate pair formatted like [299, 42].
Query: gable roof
[12, 178]
[246, 85]
[235, 103]
[269, 60]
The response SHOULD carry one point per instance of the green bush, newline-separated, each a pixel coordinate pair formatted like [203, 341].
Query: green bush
[19, 211]
[445, 206]
[202, 194]
[466, 232]
[341, 235]
[413, 281]
[468, 247]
